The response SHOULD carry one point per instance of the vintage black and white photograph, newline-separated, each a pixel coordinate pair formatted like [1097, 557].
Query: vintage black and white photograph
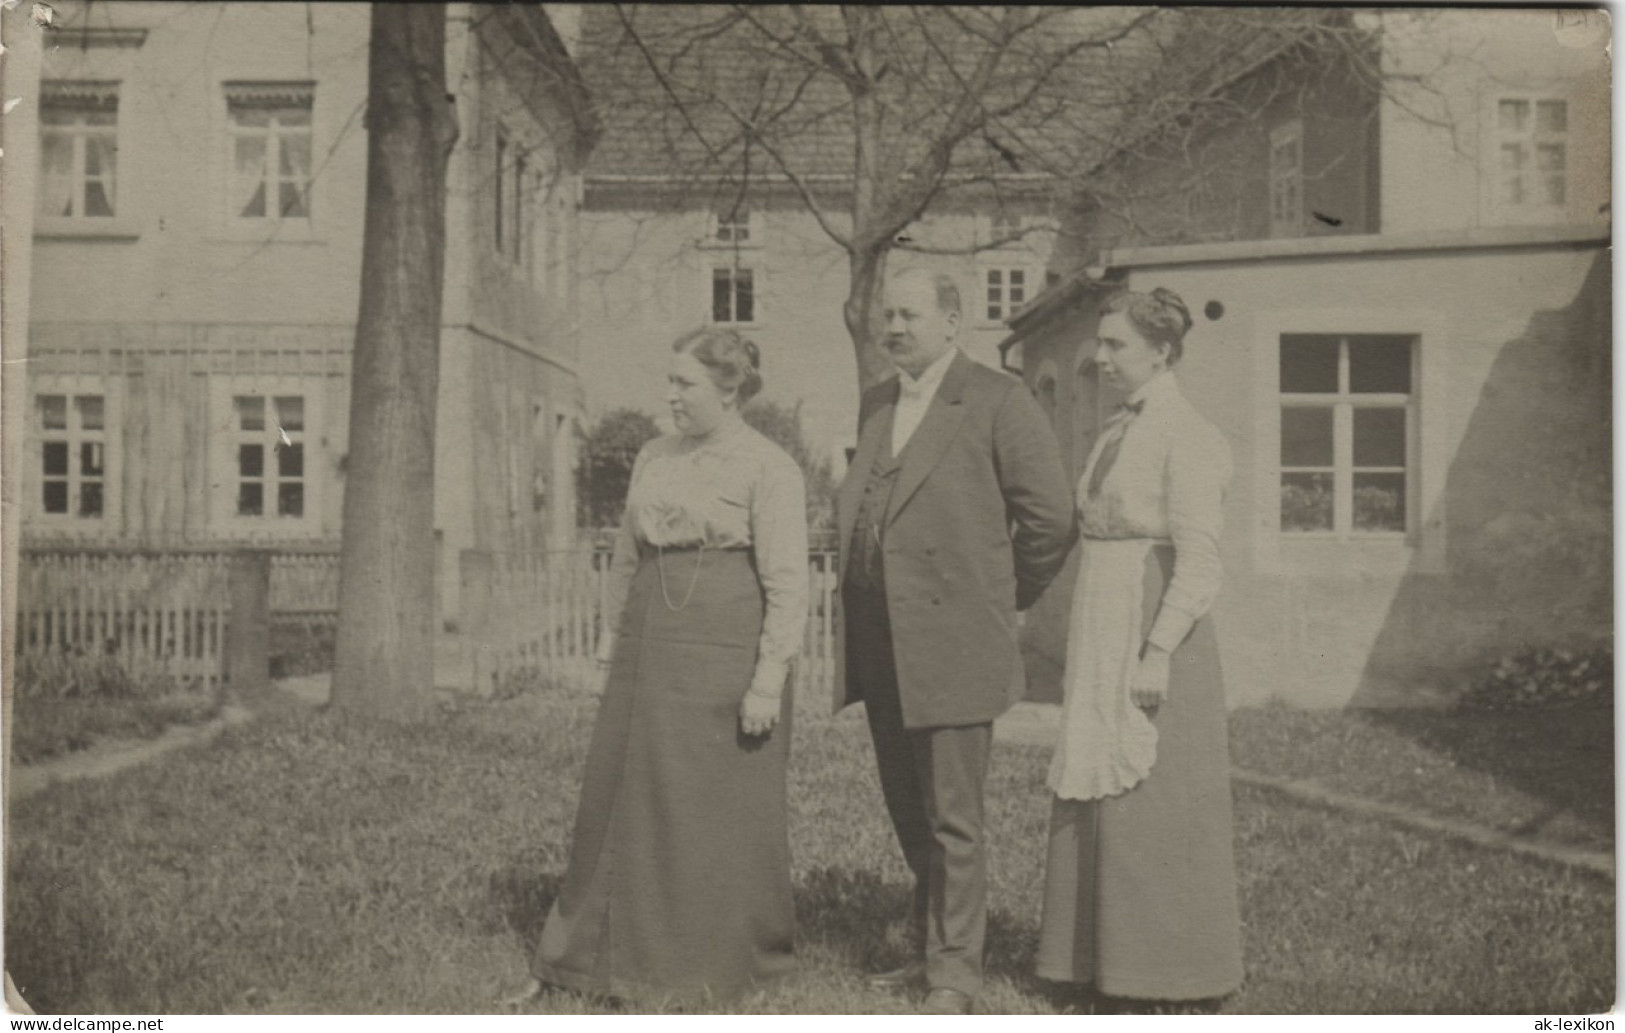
[648, 509]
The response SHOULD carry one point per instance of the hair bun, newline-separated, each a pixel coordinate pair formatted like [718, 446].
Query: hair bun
[752, 353]
[1171, 300]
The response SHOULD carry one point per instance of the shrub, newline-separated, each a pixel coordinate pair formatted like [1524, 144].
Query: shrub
[75, 674]
[782, 425]
[301, 647]
[1542, 677]
[605, 468]
[68, 700]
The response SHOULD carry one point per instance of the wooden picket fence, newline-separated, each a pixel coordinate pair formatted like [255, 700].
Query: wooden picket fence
[156, 613]
[540, 614]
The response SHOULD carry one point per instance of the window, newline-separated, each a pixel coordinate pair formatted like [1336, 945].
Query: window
[732, 227]
[1347, 430]
[520, 209]
[733, 296]
[499, 195]
[268, 456]
[1005, 229]
[1531, 139]
[1006, 292]
[78, 150]
[1286, 180]
[72, 432]
[511, 203]
[269, 125]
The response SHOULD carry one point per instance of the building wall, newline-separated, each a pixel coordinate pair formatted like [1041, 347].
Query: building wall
[646, 279]
[1447, 71]
[172, 307]
[1510, 538]
[170, 423]
[1210, 181]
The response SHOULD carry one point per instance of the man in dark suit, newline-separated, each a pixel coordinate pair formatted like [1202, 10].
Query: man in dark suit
[954, 516]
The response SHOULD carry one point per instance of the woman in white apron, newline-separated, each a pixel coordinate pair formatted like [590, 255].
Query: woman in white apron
[1140, 883]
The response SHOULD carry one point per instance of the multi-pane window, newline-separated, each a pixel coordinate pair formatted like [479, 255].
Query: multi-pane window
[269, 455]
[1006, 291]
[733, 295]
[78, 149]
[1286, 180]
[1532, 151]
[733, 227]
[269, 125]
[1348, 422]
[72, 432]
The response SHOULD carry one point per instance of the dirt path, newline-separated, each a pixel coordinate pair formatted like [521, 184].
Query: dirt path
[117, 755]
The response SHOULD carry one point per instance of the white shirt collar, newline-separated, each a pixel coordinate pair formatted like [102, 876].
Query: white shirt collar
[925, 385]
[1158, 386]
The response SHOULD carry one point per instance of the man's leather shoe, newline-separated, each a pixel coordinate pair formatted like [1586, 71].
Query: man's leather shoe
[943, 1001]
[911, 974]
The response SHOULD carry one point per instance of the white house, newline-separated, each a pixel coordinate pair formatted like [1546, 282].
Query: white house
[196, 270]
[1419, 404]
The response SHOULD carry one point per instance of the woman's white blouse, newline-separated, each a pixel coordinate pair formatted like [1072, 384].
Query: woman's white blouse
[1168, 482]
[732, 490]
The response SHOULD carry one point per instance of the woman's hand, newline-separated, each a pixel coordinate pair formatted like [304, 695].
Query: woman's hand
[598, 680]
[1150, 688]
[758, 713]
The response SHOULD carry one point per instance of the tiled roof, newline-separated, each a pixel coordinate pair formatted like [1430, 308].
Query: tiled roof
[764, 63]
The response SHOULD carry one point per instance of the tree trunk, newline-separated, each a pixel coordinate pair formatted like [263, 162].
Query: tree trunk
[870, 244]
[384, 657]
[865, 321]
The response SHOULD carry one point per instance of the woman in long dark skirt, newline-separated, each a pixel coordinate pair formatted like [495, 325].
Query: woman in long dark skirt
[678, 885]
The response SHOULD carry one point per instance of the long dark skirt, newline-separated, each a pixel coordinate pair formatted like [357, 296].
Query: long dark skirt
[679, 877]
[1140, 888]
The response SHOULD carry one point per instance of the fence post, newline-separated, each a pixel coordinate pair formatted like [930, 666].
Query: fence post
[248, 631]
[476, 568]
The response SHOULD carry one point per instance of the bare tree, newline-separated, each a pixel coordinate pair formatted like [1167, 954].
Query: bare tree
[870, 117]
[383, 663]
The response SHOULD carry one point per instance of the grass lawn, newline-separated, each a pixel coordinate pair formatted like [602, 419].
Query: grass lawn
[309, 863]
[1547, 772]
[43, 727]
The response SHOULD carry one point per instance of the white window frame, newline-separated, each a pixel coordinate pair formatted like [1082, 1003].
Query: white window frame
[1437, 424]
[80, 98]
[1343, 403]
[1032, 283]
[227, 434]
[1004, 225]
[109, 437]
[298, 94]
[1534, 206]
[712, 269]
[1286, 180]
[720, 233]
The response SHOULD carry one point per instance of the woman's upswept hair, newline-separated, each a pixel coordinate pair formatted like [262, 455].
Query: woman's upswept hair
[732, 359]
[1160, 315]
